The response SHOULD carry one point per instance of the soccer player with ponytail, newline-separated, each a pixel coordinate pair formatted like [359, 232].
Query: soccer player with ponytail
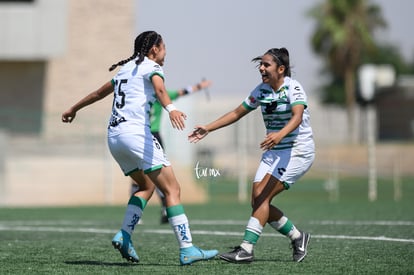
[136, 86]
[288, 146]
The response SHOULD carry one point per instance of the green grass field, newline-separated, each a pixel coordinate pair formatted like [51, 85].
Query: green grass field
[349, 235]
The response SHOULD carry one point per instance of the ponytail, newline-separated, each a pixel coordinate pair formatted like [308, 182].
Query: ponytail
[142, 45]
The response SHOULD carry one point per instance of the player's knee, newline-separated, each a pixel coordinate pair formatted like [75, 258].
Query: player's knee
[172, 191]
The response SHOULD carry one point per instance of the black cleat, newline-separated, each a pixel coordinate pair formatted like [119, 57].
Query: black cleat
[238, 255]
[300, 246]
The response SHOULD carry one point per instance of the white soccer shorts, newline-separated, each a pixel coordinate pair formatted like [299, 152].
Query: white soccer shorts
[137, 152]
[286, 165]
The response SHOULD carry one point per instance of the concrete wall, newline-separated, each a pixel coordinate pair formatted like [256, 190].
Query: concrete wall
[68, 164]
[32, 30]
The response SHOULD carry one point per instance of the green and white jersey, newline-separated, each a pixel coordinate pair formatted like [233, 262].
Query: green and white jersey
[276, 109]
[134, 96]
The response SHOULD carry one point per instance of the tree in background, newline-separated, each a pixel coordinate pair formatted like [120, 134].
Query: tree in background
[344, 32]
[389, 54]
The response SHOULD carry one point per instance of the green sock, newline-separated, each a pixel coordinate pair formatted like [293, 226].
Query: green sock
[286, 227]
[253, 230]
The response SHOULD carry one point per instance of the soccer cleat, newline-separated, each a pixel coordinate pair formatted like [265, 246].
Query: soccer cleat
[300, 246]
[238, 255]
[193, 254]
[122, 242]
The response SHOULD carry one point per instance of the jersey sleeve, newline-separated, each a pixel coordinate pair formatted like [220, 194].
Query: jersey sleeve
[155, 70]
[297, 94]
[173, 94]
[252, 101]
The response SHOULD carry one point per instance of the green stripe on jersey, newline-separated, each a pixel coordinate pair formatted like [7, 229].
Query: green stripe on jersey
[286, 119]
[284, 145]
[156, 73]
[247, 106]
[299, 103]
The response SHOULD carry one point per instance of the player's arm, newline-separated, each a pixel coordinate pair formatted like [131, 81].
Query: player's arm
[229, 118]
[176, 117]
[274, 138]
[195, 88]
[295, 120]
[106, 89]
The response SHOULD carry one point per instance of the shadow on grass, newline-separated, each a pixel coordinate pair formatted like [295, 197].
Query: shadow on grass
[273, 260]
[100, 263]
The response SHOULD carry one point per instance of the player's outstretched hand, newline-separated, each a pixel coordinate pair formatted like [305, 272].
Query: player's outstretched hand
[204, 84]
[271, 140]
[198, 134]
[177, 119]
[68, 116]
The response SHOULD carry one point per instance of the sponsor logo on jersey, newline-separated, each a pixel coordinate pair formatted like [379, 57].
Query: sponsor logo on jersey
[116, 118]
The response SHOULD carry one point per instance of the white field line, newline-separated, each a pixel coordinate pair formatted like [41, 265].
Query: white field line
[214, 222]
[387, 223]
[235, 222]
[20, 227]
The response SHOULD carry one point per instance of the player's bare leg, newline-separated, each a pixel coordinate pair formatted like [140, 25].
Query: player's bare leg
[283, 225]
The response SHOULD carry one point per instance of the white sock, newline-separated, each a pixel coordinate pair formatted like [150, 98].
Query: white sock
[247, 246]
[181, 229]
[251, 234]
[255, 227]
[132, 216]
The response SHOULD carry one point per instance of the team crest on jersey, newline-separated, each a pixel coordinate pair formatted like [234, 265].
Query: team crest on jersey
[252, 99]
[282, 94]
